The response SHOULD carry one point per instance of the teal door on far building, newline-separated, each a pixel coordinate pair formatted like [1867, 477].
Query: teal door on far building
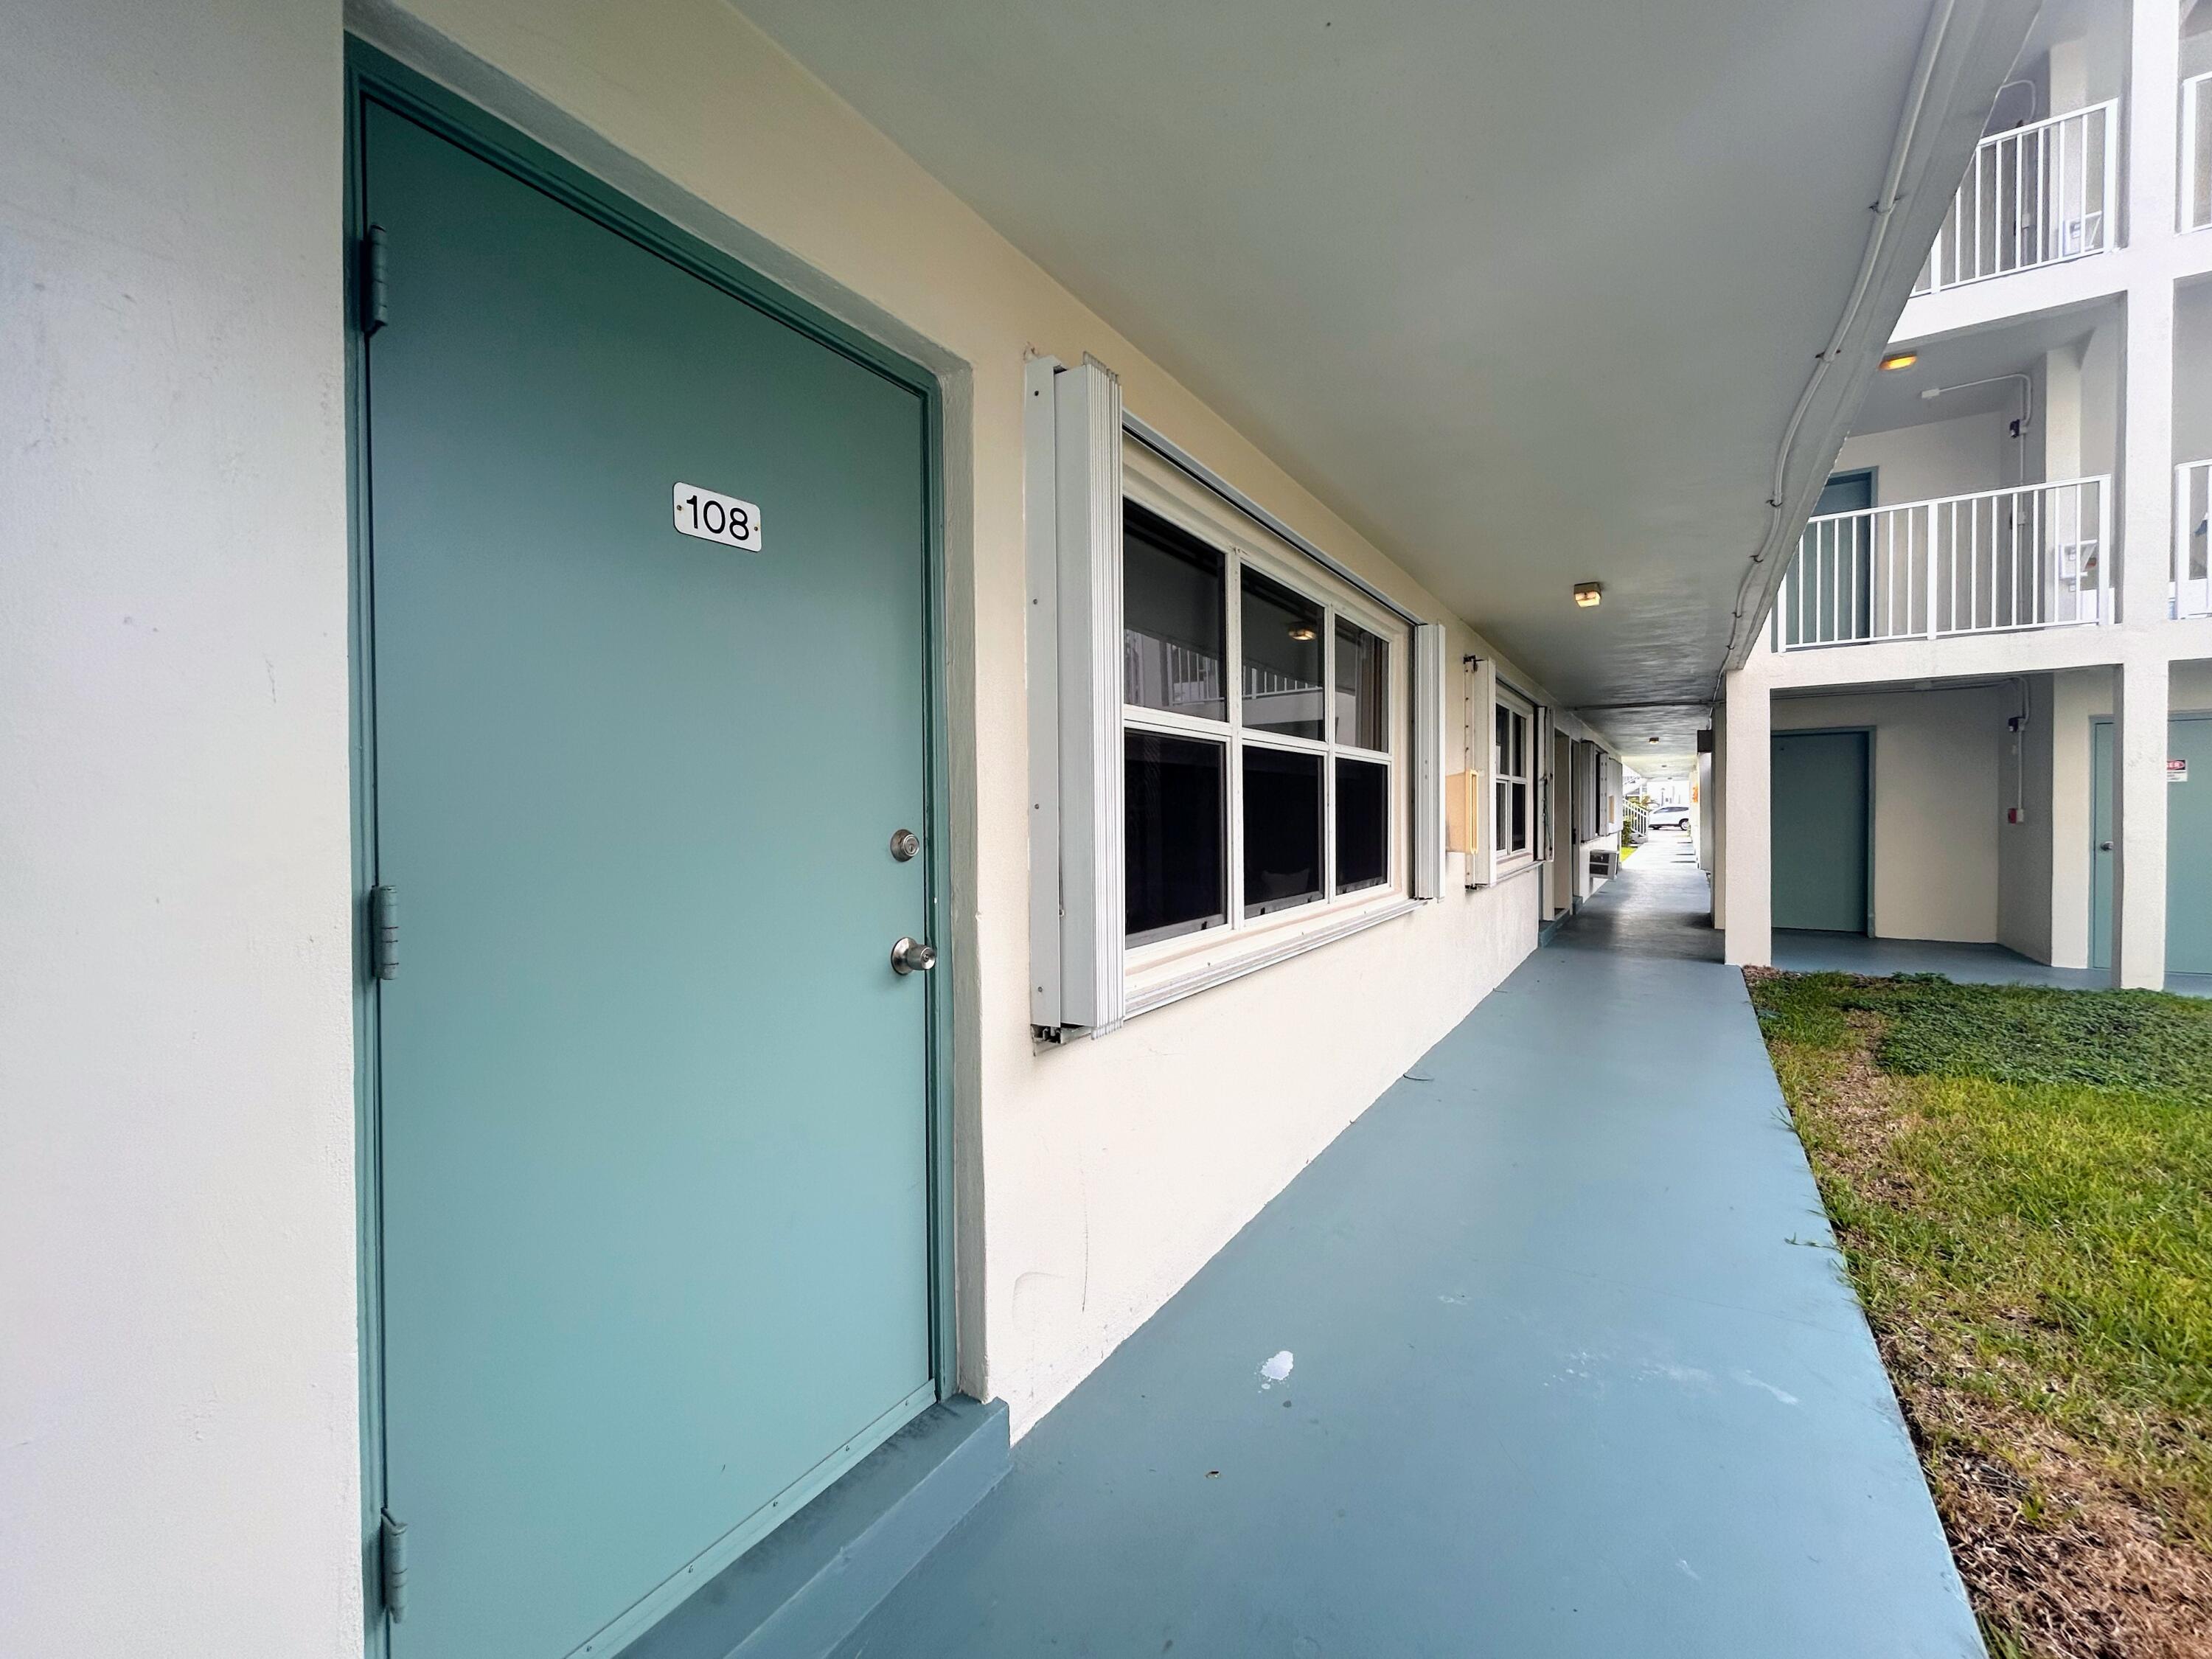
[1821, 819]
[2188, 845]
[654, 1164]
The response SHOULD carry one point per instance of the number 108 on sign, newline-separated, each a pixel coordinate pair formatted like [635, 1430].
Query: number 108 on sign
[713, 517]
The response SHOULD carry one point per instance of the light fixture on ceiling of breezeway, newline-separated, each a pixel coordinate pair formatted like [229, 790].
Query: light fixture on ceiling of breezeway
[1589, 593]
[1650, 739]
[1900, 360]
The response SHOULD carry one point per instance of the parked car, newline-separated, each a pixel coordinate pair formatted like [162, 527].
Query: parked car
[1668, 817]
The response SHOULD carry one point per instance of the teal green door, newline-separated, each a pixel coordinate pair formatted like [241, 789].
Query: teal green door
[1820, 819]
[2188, 845]
[653, 1105]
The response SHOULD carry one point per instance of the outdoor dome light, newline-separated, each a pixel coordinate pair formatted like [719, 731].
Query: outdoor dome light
[1900, 360]
[1589, 593]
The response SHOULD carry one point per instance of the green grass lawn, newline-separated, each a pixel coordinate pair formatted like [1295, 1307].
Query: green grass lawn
[2021, 1181]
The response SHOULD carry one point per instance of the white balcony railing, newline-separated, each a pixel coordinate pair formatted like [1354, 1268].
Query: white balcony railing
[2034, 196]
[2035, 557]
[2196, 153]
[2190, 593]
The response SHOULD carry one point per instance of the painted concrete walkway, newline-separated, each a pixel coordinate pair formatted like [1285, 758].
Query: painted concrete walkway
[1572, 1374]
[1969, 964]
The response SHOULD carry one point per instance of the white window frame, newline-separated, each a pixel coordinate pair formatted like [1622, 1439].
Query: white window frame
[1506, 858]
[1547, 724]
[1082, 449]
[1158, 966]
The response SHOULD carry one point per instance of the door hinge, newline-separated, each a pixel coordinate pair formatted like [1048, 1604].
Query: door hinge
[391, 1564]
[375, 284]
[384, 932]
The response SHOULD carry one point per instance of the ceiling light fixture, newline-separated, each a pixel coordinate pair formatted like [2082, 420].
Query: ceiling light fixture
[1589, 593]
[1900, 360]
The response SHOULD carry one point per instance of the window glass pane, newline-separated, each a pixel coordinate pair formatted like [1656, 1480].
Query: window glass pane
[1362, 680]
[1502, 760]
[1363, 824]
[1520, 819]
[1282, 659]
[1282, 830]
[1173, 638]
[1501, 836]
[1173, 814]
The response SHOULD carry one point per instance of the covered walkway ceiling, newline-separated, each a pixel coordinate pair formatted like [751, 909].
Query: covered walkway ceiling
[1526, 291]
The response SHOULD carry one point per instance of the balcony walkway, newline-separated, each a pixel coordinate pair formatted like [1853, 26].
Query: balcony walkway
[1571, 1372]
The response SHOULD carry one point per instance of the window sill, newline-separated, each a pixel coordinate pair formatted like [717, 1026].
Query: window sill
[1189, 972]
[1505, 873]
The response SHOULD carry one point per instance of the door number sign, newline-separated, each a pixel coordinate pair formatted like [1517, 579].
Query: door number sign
[713, 517]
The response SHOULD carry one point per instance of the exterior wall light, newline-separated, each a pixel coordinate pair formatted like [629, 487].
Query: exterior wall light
[1587, 594]
[1900, 360]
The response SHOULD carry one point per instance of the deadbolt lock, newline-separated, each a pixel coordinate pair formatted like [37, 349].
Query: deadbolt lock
[904, 844]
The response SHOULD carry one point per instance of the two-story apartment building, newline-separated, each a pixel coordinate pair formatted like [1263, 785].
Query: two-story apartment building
[1981, 706]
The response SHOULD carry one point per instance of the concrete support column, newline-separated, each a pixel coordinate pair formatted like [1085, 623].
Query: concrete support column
[2152, 116]
[2075, 697]
[2151, 112]
[2145, 520]
[1746, 875]
[2139, 789]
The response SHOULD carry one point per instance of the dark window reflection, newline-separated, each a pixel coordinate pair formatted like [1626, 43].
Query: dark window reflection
[1173, 635]
[1282, 830]
[1363, 824]
[1174, 807]
[1363, 679]
[1282, 688]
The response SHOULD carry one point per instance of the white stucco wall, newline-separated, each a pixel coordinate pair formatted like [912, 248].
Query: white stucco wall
[1936, 457]
[1701, 814]
[176, 1403]
[2099, 393]
[1936, 806]
[180, 1400]
[2192, 372]
[2024, 849]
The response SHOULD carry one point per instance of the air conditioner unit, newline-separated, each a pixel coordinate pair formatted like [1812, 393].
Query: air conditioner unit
[1604, 861]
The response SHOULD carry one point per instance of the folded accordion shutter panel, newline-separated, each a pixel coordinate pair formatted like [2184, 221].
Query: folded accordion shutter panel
[1430, 762]
[1074, 528]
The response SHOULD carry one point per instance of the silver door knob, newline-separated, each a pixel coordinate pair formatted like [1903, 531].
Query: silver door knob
[904, 844]
[2104, 846]
[911, 956]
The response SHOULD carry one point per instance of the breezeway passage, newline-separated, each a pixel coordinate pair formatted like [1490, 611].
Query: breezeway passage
[1577, 1373]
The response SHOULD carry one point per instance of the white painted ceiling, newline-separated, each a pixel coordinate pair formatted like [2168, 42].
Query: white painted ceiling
[1526, 290]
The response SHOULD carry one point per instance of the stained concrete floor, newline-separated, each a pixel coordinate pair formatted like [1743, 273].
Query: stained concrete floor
[1571, 1372]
